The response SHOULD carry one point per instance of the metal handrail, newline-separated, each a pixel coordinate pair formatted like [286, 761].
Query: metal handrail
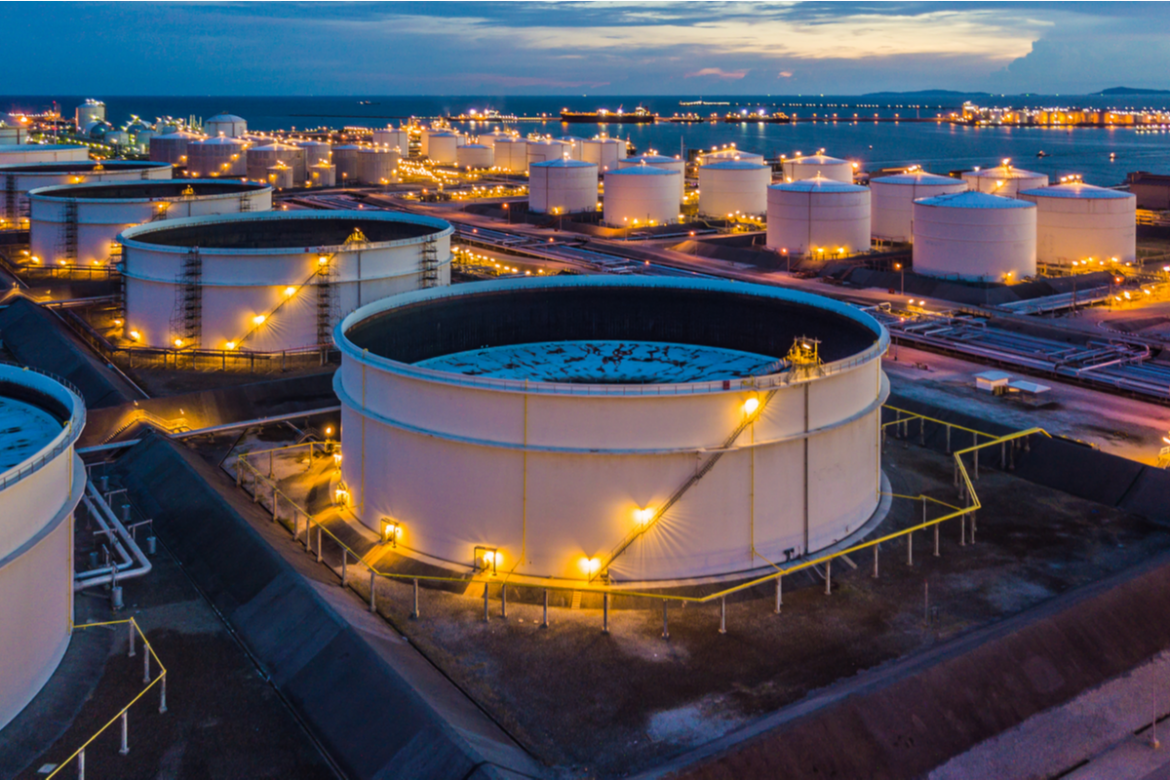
[73, 431]
[159, 678]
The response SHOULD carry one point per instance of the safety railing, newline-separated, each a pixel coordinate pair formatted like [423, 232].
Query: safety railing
[970, 504]
[160, 680]
[74, 428]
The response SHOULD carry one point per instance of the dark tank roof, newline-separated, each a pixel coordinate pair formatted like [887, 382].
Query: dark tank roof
[161, 188]
[283, 232]
[81, 166]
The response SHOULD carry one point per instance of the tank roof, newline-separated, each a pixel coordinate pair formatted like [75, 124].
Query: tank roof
[220, 140]
[1004, 172]
[818, 184]
[79, 166]
[475, 146]
[27, 427]
[734, 165]
[641, 170]
[820, 159]
[226, 118]
[275, 146]
[651, 158]
[916, 177]
[975, 200]
[158, 189]
[718, 315]
[279, 231]
[6, 148]
[562, 163]
[1077, 189]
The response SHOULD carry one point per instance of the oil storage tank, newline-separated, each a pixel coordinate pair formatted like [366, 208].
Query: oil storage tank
[441, 147]
[346, 159]
[272, 281]
[641, 195]
[16, 181]
[892, 201]
[377, 165]
[974, 236]
[316, 152]
[815, 165]
[26, 154]
[214, 157]
[543, 151]
[89, 111]
[730, 153]
[393, 138]
[475, 156]
[261, 158]
[80, 223]
[562, 187]
[1004, 180]
[41, 482]
[511, 155]
[734, 186]
[1077, 222]
[603, 152]
[821, 218]
[572, 145]
[660, 161]
[323, 175]
[226, 125]
[172, 147]
[597, 400]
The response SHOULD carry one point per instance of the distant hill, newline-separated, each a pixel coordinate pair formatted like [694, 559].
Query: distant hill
[927, 93]
[1132, 91]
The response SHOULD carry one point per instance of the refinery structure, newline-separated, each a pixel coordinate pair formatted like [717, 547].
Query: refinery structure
[405, 420]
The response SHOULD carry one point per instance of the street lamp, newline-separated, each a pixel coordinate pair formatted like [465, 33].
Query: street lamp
[898, 267]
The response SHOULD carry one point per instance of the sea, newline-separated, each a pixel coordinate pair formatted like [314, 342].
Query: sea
[1101, 156]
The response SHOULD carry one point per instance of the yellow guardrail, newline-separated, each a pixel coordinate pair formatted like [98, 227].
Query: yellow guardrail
[964, 481]
[160, 679]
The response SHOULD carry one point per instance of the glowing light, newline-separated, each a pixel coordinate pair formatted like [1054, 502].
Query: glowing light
[178, 342]
[230, 345]
[289, 292]
[590, 565]
[259, 319]
[751, 405]
[643, 516]
[135, 335]
[328, 430]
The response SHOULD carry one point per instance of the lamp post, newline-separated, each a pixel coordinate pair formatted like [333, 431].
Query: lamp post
[898, 267]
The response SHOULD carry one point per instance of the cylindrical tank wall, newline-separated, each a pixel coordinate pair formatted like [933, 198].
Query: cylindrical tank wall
[377, 165]
[345, 159]
[216, 157]
[543, 151]
[25, 154]
[262, 158]
[730, 187]
[659, 161]
[818, 165]
[393, 139]
[1079, 222]
[171, 148]
[1004, 180]
[511, 155]
[316, 152]
[475, 156]
[974, 239]
[562, 187]
[442, 148]
[323, 175]
[603, 152]
[25, 179]
[892, 201]
[641, 195]
[820, 218]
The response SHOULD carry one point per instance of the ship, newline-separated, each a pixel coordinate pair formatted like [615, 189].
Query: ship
[778, 118]
[602, 116]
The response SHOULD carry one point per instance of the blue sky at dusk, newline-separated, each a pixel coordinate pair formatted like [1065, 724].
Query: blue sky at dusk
[216, 48]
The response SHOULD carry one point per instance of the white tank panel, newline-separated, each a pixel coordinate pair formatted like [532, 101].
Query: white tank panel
[377, 165]
[572, 145]
[814, 165]
[260, 159]
[1004, 180]
[323, 175]
[722, 155]
[660, 161]
[511, 155]
[562, 187]
[24, 154]
[641, 195]
[226, 125]
[105, 210]
[892, 199]
[602, 152]
[477, 156]
[543, 151]
[216, 157]
[278, 284]
[346, 160]
[731, 186]
[316, 152]
[975, 236]
[1077, 221]
[820, 218]
[394, 139]
[22, 179]
[443, 148]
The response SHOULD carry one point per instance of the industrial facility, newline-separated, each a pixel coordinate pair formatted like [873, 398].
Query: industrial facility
[562, 187]
[274, 281]
[1079, 223]
[892, 200]
[42, 481]
[975, 236]
[730, 187]
[18, 180]
[662, 162]
[605, 153]
[576, 431]
[30, 154]
[1004, 180]
[172, 147]
[79, 223]
[818, 165]
[642, 195]
[819, 218]
[511, 155]
[216, 157]
[226, 126]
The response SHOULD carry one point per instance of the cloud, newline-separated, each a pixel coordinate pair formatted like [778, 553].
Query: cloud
[719, 73]
[784, 74]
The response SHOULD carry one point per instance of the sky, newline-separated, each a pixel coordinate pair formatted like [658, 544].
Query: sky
[603, 48]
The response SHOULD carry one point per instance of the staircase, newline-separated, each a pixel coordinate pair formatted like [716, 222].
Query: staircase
[187, 319]
[430, 263]
[69, 234]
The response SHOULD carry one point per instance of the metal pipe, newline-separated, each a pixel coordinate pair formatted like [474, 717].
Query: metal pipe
[414, 615]
[779, 593]
[544, 622]
[910, 549]
[665, 624]
[344, 566]
[146, 667]
[318, 542]
[130, 626]
[125, 734]
[605, 612]
[486, 616]
[829, 577]
[723, 615]
[81, 765]
[120, 537]
[373, 591]
[504, 600]
[162, 700]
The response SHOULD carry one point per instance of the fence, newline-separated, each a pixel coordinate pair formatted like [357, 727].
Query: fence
[123, 715]
[248, 475]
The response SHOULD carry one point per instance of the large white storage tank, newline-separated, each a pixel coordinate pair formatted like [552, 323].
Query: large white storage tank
[543, 151]
[226, 125]
[26, 154]
[1077, 221]
[975, 236]
[12, 135]
[1004, 180]
[641, 195]
[734, 186]
[89, 111]
[393, 138]
[572, 145]
[442, 148]
[16, 181]
[377, 165]
[80, 223]
[561, 459]
[475, 157]
[316, 152]
[261, 158]
[819, 218]
[892, 199]
[41, 482]
[605, 153]
[511, 155]
[273, 281]
[346, 158]
[660, 161]
[815, 165]
[730, 153]
[489, 139]
[323, 175]
[172, 147]
[214, 157]
[562, 187]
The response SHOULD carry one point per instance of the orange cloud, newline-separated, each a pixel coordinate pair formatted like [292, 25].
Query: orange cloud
[719, 73]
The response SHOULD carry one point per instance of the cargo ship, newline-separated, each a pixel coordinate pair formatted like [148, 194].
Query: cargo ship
[604, 116]
[778, 118]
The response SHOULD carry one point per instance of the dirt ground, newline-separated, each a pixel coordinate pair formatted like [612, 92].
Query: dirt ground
[607, 705]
